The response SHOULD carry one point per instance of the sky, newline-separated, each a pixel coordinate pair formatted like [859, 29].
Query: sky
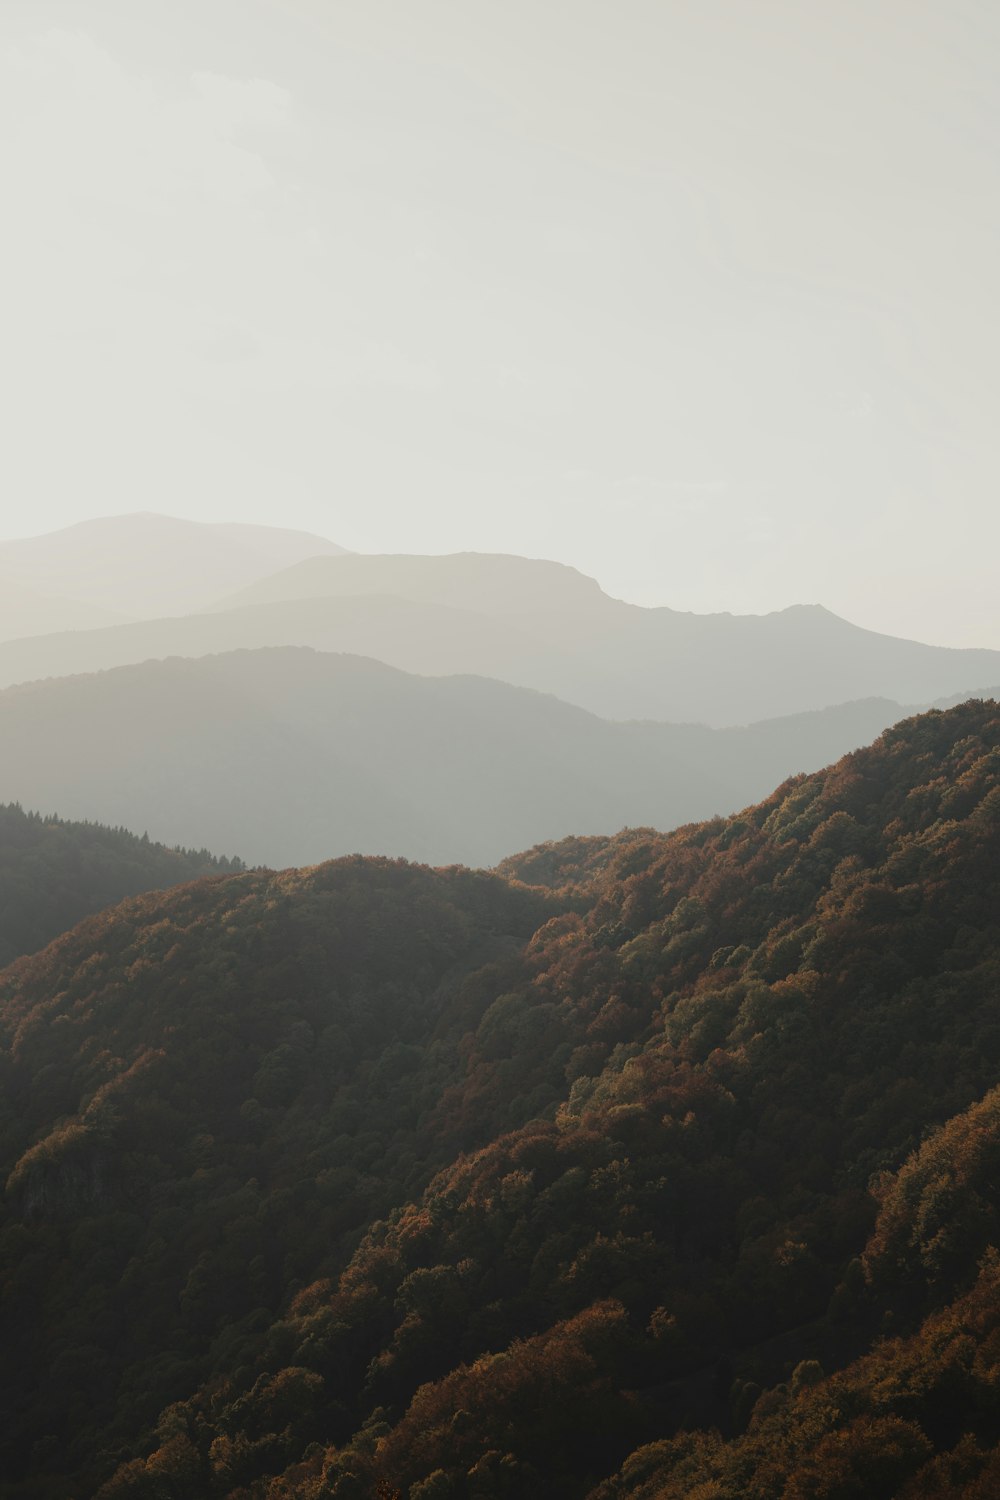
[701, 298]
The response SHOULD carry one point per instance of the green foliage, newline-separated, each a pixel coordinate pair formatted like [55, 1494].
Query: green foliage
[53, 873]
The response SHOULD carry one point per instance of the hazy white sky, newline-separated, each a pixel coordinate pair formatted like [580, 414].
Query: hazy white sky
[700, 296]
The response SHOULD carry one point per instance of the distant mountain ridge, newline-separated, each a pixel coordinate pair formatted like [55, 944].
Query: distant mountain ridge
[27, 611]
[435, 639]
[537, 625]
[294, 756]
[492, 583]
[623, 661]
[200, 588]
[145, 564]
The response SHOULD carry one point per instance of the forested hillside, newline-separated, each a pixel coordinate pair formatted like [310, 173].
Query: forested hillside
[648, 1166]
[53, 873]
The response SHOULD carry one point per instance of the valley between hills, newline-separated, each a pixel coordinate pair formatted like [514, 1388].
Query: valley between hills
[366, 1156]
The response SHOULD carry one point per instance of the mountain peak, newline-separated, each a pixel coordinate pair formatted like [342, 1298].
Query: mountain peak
[144, 562]
[492, 583]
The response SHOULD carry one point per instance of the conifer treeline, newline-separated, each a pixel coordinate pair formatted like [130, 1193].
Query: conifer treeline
[53, 873]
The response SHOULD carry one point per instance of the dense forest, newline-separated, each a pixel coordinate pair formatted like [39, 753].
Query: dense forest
[53, 873]
[650, 1166]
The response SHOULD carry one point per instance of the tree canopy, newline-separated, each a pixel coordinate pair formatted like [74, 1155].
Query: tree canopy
[652, 1166]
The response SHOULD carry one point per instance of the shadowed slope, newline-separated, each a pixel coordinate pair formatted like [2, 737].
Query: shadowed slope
[174, 1074]
[659, 1096]
[54, 873]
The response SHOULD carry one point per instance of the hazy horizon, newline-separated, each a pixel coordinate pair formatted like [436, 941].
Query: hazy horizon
[696, 301]
[280, 566]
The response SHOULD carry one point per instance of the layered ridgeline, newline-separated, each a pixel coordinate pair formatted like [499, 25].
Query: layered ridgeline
[136, 565]
[534, 624]
[293, 756]
[673, 1172]
[54, 873]
[27, 611]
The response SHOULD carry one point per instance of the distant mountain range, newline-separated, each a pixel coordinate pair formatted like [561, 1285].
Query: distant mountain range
[143, 564]
[28, 611]
[556, 630]
[538, 625]
[463, 705]
[293, 756]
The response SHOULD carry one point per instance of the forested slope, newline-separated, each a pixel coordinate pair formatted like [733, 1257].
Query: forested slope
[54, 873]
[205, 1095]
[374, 1180]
